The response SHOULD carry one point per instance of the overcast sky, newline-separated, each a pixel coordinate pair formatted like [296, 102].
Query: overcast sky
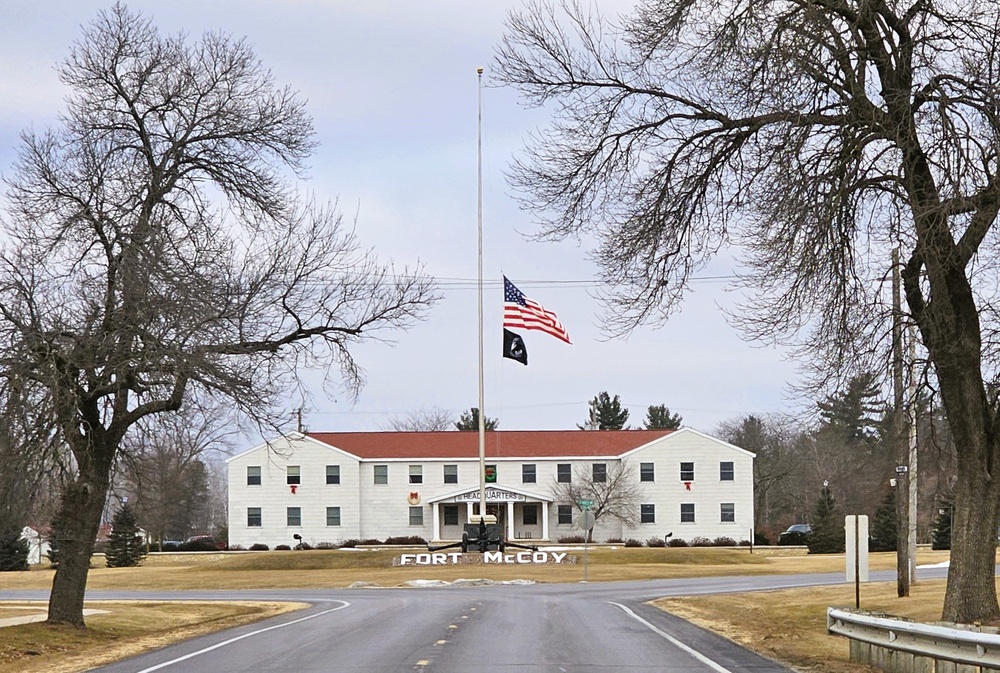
[392, 88]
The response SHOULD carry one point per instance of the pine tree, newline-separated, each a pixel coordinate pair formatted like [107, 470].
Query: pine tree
[828, 530]
[606, 413]
[469, 421]
[658, 417]
[125, 548]
[941, 536]
[883, 533]
[13, 549]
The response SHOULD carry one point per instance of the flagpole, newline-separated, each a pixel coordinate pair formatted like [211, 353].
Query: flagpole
[479, 220]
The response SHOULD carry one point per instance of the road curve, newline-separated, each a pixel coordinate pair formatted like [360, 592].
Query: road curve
[543, 628]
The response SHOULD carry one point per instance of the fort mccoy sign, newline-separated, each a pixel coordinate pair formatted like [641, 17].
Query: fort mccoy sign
[486, 558]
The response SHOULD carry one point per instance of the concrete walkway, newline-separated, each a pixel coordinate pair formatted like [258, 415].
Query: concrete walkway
[39, 616]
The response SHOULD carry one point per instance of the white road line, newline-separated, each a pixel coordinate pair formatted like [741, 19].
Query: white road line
[245, 635]
[694, 653]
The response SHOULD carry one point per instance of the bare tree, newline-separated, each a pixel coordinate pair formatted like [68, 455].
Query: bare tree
[614, 491]
[157, 248]
[431, 419]
[816, 135]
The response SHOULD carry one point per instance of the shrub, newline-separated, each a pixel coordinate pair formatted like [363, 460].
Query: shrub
[325, 545]
[745, 543]
[632, 542]
[236, 547]
[701, 542]
[257, 546]
[572, 539]
[407, 540]
[615, 540]
[677, 542]
[197, 545]
[724, 542]
[656, 542]
[13, 550]
[357, 543]
[761, 538]
[282, 547]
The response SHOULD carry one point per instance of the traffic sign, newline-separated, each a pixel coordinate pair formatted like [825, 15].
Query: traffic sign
[585, 504]
[586, 520]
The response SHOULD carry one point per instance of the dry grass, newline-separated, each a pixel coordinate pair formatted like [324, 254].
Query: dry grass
[789, 626]
[125, 630]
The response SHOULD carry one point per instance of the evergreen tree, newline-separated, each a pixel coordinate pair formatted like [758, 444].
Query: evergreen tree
[469, 421]
[828, 530]
[606, 413]
[883, 532]
[854, 413]
[125, 548]
[658, 417]
[941, 535]
[13, 549]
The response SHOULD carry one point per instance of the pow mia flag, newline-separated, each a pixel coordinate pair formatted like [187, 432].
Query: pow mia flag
[514, 348]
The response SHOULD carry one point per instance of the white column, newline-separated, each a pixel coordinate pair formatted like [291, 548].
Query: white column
[436, 525]
[510, 519]
[545, 520]
[468, 511]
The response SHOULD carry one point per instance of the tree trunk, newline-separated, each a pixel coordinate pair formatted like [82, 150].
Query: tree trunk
[76, 531]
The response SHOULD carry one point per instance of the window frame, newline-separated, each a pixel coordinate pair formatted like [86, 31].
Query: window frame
[333, 513]
[416, 515]
[647, 513]
[564, 515]
[529, 469]
[450, 476]
[564, 473]
[293, 478]
[333, 476]
[647, 469]
[723, 513]
[688, 512]
[727, 474]
[380, 474]
[251, 477]
[599, 473]
[289, 516]
[529, 507]
[687, 474]
[251, 511]
[415, 474]
[446, 515]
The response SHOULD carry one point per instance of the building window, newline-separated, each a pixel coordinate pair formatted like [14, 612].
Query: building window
[646, 472]
[451, 474]
[416, 474]
[528, 473]
[450, 515]
[728, 512]
[529, 515]
[294, 516]
[687, 471]
[253, 475]
[726, 471]
[565, 513]
[332, 516]
[687, 512]
[416, 516]
[253, 517]
[647, 513]
[333, 474]
[564, 473]
[293, 475]
[381, 474]
[600, 473]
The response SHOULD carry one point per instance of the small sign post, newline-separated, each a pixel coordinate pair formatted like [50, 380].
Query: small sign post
[585, 504]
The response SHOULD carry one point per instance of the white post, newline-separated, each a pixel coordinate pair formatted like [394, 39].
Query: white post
[545, 520]
[510, 519]
[436, 527]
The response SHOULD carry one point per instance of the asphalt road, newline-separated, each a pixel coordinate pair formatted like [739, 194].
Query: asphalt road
[543, 628]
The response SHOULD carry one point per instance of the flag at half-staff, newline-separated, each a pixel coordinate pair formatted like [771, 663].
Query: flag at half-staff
[514, 348]
[519, 311]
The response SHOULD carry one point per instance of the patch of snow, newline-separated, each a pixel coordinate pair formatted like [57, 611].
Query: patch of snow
[943, 564]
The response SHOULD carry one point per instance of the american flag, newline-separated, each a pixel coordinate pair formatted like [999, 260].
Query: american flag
[519, 311]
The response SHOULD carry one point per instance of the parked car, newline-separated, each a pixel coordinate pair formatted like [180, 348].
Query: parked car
[796, 534]
[201, 543]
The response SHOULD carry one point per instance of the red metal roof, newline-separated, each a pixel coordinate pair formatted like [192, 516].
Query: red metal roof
[499, 443]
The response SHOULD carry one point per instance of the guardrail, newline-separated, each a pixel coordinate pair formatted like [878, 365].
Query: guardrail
[901, 646]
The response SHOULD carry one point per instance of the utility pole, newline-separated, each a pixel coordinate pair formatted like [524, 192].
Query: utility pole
[900, 436]
[911, 500]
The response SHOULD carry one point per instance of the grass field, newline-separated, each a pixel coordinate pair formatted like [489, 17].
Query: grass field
[788, 626]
